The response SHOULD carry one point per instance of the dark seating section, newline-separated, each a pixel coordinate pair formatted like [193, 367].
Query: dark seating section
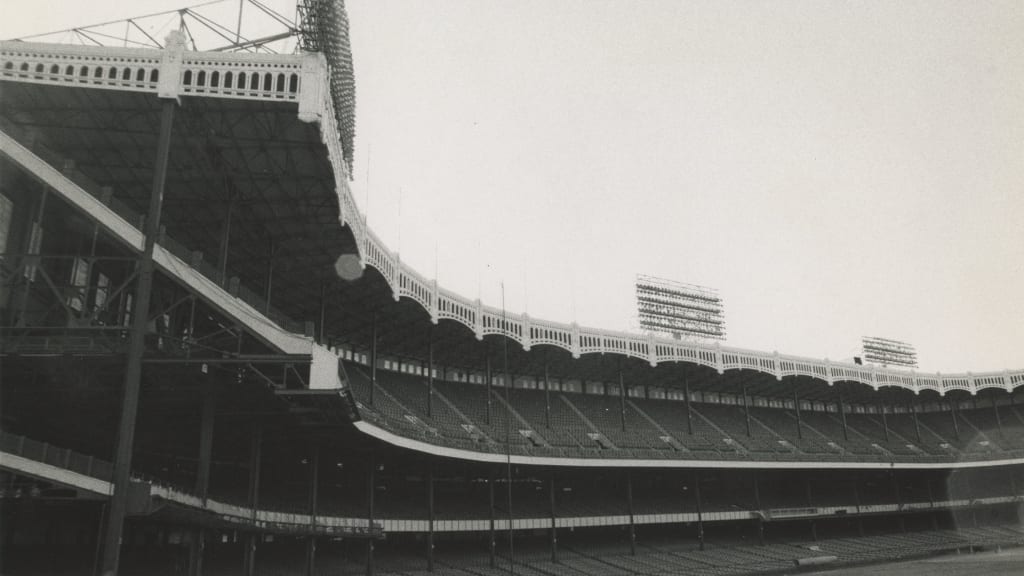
[532, 422]
[606, 413]
[567, 429]
[732, 421]
[705, 442]
[784, 423]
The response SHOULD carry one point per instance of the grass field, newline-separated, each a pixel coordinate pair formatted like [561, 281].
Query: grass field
[1006, 563]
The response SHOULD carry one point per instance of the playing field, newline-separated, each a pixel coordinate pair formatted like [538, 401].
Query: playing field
[1006, 563]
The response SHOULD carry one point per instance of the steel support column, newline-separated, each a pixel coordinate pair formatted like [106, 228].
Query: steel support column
[314, 506]
[760, 510]
[370, 492]
[373, 357]
[856, 500]
[430, 372]
[885, 422]
[547, 393]
[269, 290]
[956, 421]
[225, 239]
[842, 415]
[746, 408]
[208, 414]
[970, 499]
[136, 347]
[689, 414]
[899, 498]
[255, 465]
[810, 504]
[995, 409]
[629, 508]
[430, 518]
[622, 399]
[917, 425]
[799, 422]
[488, 376]
[321, 332]
[551, 512]
[33, 239]
[490, 501]
[931, 504]
[700, 509]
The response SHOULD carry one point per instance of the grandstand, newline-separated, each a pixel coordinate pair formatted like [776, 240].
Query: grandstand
[196, 379]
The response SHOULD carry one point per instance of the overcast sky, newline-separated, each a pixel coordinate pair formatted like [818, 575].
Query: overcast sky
[834, 169]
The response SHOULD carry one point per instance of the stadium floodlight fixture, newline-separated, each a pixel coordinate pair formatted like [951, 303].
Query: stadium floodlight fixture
[888, 352]
[679, 310]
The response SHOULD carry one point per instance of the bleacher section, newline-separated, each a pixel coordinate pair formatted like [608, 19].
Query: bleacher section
[591, 425]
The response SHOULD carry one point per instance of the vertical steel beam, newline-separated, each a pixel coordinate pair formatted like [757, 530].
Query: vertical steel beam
[746, 408]
[856, 499]
[760, 509]
[885, 422]
[810, 504]
[430, 372]
[370, 492]
[917, 425]
[899, 498]
[547, 392]
[225, 238]
[373, 357]
[136, 346]
[314, 505]
[269, 290]
[622, 399]
[700, 508]
[995, 409]
[208, 413]
[799, 422]
[321, 332]
[488, 376]
[551, 512]
[490, 507]
[629, 508]
[255, 466]
[931, 505]
[842, 414]
[33, 239]
[430, 518]
[956, 421]
[689, 414]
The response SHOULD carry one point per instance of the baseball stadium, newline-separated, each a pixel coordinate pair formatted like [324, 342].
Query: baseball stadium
[211, 364]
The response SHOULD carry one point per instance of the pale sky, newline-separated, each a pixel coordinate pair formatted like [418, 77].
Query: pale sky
[834, 169]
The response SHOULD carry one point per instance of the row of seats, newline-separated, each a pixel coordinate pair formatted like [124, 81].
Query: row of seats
[581, 425]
